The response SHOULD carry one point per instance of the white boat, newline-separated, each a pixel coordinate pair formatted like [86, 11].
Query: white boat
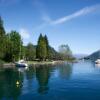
[21, 63]
[97, 61]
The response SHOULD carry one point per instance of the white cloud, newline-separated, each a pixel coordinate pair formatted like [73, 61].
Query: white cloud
[47, 21]
[24, 33]
[81, 12]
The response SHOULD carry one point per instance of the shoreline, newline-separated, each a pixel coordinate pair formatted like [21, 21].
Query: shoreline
[8, 65]
[45, 62]
[35, 63]
[32, 63]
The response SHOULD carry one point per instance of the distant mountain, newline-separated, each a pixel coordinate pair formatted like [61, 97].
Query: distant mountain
[79, 56]
[94, 56]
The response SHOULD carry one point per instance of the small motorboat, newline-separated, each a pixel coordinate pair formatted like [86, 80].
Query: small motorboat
[97, 61]
[21, 63]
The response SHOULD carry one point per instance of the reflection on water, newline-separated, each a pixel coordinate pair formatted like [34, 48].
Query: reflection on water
[8, 88]
[42, 76]
[65, 71]
[64, 81]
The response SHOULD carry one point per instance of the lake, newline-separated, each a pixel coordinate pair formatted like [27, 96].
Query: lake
[78, 81]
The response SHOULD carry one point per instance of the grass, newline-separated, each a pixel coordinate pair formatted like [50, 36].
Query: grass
[40, 62]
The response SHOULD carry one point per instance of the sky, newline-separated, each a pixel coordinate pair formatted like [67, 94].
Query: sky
[72, 22]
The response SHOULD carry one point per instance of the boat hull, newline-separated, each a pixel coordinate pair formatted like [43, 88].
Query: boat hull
[21, 65]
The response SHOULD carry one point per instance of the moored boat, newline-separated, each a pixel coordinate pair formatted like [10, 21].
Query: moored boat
[21, 63]
[97, 61]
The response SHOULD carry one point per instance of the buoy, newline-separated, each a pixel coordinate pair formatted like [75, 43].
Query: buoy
[17, 83]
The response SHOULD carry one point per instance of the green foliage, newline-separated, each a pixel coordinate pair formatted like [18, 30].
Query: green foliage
[9, 47]
[1, 63]
[30, 52]
[47, 46]
[12, 49]
[53, 55]
[13, 45]
[65, 52]
[44, 51]
[2, 39]
[16, 45]
[38, 48]
[41, 49]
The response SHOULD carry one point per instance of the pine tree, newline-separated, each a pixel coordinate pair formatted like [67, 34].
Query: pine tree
[47, 46]
[41, 50]
[38, 48]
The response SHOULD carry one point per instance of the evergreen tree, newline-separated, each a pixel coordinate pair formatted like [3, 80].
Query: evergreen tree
[41, 50]
[47, 47]
[2, 39]
[38, 48]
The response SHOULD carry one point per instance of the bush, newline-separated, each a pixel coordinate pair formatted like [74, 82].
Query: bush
[1, 62]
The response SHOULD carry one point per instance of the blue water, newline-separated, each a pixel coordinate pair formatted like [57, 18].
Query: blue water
[79, 81]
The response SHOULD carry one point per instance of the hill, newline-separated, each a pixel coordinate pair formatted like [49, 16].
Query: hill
[94, 56]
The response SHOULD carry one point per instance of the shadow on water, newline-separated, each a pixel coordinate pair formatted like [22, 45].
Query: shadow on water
[8, 87]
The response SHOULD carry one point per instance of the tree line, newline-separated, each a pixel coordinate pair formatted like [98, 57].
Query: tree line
[12, 48]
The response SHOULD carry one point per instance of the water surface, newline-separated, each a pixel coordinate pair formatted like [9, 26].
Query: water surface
[79, 81]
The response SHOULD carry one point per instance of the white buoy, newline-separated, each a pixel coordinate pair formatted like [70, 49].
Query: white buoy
[17, 83]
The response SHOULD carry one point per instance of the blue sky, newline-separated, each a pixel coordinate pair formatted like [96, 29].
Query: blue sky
[73, 22]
